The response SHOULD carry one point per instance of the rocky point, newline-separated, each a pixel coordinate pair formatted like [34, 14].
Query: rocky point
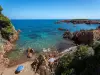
[8, 35]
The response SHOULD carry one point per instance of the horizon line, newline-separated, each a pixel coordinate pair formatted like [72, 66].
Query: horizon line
[50, 18]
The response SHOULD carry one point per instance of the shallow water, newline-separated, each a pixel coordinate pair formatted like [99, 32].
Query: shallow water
[39, 34]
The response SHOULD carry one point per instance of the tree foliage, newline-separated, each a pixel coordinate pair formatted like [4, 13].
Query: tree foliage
[82, 51]
[1, 8]
[75, 63]
[6, 28]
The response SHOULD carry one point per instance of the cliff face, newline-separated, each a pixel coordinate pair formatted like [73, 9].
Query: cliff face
[83, 37]
[8, 35]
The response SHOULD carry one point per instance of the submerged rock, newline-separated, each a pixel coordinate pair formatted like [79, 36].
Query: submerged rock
[61, 29]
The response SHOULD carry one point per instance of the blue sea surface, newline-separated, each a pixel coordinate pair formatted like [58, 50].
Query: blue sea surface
[39, 34]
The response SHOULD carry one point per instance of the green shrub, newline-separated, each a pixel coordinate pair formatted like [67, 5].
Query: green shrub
[97, 50]
[82, 51]
[71, 63]
[1, 8]
[8, 29]
[65, 61]
[68, 72]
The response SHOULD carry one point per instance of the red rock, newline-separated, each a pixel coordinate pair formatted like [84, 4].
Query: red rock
[14, 37]
[29, 55]
[8, 46]
[86, 37]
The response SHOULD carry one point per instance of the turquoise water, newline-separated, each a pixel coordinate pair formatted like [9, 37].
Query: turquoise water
[39, 34]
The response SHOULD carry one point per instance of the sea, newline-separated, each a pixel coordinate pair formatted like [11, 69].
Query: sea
[41, 33]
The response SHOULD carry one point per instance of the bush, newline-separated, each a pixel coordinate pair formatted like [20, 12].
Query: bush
[82, 51]
[97, 50]
[6, 27]
[65, 61]
[74, 63]
[1, 8]
[69, 72]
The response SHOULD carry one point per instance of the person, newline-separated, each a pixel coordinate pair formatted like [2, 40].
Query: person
[51, 62]
[34, 64]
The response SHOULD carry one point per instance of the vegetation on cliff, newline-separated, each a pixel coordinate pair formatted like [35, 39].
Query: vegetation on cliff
[84, 61]
[7, 33]
[6, 28]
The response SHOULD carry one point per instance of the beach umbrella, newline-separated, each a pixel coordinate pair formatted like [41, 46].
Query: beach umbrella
[20, 68]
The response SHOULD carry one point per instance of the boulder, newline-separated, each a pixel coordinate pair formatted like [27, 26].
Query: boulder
[8, 46]
[83, 36]
[29, 55]
[67, 35]
[30, 52]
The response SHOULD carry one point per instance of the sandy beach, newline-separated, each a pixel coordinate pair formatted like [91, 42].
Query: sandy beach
[27, 65]
[27, 69]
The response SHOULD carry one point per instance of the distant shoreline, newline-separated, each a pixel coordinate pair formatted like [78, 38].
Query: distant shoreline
[80, 21]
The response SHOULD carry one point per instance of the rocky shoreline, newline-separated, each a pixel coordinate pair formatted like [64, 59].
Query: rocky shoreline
[80, 21]
[68, 51]
[89, 36]
[8, 35]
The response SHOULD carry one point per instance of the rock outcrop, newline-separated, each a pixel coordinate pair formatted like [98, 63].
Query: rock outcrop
[8, 35]
[68, 35]
[83, 36]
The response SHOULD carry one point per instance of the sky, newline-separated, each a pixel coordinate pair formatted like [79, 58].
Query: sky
[51, 9]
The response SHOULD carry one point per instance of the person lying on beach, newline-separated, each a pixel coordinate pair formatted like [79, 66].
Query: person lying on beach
[51, 61]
